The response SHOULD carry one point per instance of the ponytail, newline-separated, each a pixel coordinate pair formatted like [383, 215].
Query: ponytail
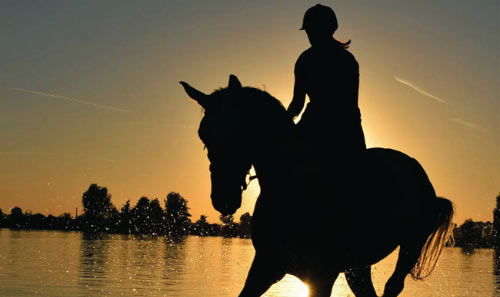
[345, 45]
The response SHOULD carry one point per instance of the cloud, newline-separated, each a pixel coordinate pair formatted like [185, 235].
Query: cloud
[24, 153]
[467, 124]
[101, 106]
[160, 125]
[418, 89]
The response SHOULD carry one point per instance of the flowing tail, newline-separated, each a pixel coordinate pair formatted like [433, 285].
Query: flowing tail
[435, 243]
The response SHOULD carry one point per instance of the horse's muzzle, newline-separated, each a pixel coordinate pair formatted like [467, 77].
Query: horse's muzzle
[226, 189]
[226, 201]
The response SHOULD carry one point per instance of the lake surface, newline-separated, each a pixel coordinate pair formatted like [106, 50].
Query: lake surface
[55, 263]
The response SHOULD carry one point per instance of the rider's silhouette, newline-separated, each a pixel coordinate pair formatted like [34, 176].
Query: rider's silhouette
[329, 75]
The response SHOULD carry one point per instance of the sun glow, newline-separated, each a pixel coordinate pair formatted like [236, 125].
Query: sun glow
[289, 286]
[302, 289]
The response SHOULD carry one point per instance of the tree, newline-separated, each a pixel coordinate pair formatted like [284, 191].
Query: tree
[226, 220]
[496, 222]
[245, 225]
[97, 207]
[202, 227]
[125, 219]
[37, 221]
[64, 221]
[177, 215]
[140, 216]
[471, 234]
[156, 217]
[17, 219]
[147, 217]
[229, 228]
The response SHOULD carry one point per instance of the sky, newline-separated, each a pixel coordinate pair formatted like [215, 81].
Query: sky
[89, 92]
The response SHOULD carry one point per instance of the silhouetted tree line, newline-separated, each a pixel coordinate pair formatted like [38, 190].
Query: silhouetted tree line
[27, 220]
[496, 223]
[472, 235]
[145, 217]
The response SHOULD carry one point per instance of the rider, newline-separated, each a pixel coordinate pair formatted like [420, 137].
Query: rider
[329, 75]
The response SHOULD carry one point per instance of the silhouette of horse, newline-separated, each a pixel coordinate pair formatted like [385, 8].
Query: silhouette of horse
[315, 225]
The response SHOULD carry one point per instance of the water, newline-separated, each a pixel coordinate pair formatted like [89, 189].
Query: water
[55, 263]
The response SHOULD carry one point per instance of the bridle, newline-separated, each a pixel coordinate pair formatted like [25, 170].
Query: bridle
[241, 168]
[250, 179]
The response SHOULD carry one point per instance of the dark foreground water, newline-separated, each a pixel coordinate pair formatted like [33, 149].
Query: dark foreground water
[54, 263]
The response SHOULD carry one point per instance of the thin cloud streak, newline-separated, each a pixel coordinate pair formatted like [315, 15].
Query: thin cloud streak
[107, 107]
[468, 124]
[24, 153]
[418, 89]
[159, 125]
[108, 160]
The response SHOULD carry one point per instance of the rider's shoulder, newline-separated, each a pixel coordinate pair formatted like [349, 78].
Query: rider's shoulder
[349, 54]
[346, 55]
[307, 54]
[303, 60]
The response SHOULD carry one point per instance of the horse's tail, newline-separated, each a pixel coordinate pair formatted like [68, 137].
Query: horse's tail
[442, 233]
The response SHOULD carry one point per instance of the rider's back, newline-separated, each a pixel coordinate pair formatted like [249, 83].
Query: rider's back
[331, 77]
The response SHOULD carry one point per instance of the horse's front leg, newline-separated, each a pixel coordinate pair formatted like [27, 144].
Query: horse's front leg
[263, 273]
[360, 282]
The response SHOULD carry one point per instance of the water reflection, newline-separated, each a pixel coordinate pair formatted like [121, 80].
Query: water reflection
[496, 270]
[174, 268]
[467, 250]
[15, 234]
[145, 260]
[93, 261]
[74, 264]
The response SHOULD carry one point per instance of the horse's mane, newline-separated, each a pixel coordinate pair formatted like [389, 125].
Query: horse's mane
[259, 104]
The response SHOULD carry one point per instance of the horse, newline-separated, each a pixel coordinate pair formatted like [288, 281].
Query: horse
[315, 224]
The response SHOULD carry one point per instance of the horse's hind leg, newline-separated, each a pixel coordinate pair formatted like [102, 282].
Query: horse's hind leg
[261, 276]
[360, 282]
[407, 258]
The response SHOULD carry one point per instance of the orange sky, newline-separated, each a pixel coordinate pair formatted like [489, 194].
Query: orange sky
[90, 94]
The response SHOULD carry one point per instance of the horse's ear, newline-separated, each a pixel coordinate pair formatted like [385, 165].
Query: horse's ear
[196, 95]
[234, 82]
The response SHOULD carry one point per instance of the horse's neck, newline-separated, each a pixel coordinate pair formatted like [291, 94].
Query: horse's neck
[278, 182]
[272, 160]
[272, 137]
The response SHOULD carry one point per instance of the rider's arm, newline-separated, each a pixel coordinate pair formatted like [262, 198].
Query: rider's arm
[299, 93]
[299, 98]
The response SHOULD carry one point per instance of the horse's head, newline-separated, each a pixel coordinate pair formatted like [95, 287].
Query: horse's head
[222, 130]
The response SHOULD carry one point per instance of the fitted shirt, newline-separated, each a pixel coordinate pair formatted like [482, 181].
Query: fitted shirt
[330, 75]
